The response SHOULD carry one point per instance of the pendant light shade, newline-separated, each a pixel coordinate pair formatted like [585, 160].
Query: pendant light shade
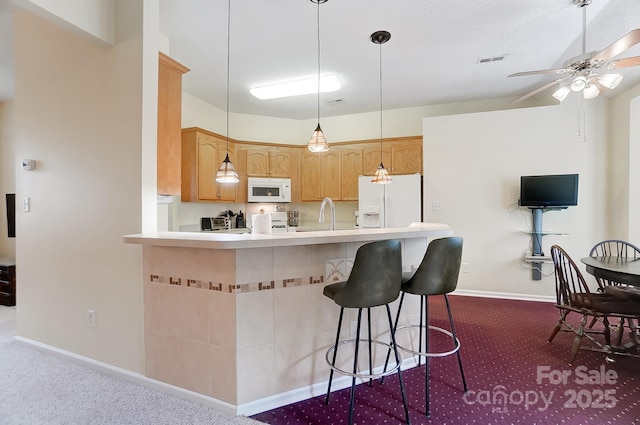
[317, 142]
[382, 175]
[226, 173]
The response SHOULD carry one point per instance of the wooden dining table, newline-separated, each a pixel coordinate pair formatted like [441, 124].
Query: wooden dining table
[625, 270]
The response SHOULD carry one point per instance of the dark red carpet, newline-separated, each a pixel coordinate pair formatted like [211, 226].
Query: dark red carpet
[504, 351]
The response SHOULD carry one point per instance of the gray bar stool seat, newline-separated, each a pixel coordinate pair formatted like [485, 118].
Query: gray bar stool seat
[436, 275]
[374, 281]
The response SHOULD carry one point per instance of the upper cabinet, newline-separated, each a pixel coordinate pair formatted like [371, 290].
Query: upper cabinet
[313, 175]
[402, 155]
[202, 154]
[169, 124]
[320, 175]
[269, 161]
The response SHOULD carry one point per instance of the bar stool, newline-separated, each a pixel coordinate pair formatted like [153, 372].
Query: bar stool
[436, 275]
[374, 281]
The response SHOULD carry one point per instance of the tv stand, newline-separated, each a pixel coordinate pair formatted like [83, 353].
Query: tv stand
[537, 234]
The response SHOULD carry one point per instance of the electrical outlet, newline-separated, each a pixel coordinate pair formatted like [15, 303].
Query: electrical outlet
[91, 318]
[465, 268]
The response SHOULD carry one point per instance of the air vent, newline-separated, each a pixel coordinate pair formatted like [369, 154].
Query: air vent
[492, 59]
[335, 101]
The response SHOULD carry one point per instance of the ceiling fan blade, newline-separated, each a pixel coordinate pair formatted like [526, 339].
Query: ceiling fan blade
[538, 90]
[628, 40]
[543, 71]
[623, 63]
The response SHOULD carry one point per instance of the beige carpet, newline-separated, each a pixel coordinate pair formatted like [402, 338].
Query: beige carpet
[39, 388]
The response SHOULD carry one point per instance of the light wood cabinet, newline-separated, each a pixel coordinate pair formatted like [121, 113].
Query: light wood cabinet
[202, 154]
[371, 158]
[169, 124]
[351, 168]
[269, 162]
[320, 176]
[399, 155]
[406, 158]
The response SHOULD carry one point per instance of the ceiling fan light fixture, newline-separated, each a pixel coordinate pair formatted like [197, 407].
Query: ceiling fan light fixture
[591, 91]
[562, 93]
[579, 83]
[610, 81]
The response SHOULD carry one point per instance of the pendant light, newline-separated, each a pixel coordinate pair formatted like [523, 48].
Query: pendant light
[226, 173]
[381, 176]
[317, 142]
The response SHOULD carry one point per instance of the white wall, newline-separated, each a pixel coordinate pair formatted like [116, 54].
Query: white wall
[79, 114]
[472, 167]
[622, 121]
[89, 18]
[7, 175]
[396, 122]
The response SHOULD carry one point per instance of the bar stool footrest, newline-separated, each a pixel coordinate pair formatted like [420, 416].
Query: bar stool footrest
[431, 354]
[359, 374]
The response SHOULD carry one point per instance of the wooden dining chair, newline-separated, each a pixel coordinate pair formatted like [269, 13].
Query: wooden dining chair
[613, 248]
[621, 249]
[573, 296]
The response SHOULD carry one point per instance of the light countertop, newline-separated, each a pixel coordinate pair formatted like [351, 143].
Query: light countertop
[218, 240]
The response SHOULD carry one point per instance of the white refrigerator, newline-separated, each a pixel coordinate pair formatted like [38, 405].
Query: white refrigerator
[396, 204]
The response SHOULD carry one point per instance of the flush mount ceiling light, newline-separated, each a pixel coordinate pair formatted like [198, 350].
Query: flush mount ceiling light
[226, 173]
[317, 142]
[381, 176]
[328, 83]
[580, 73]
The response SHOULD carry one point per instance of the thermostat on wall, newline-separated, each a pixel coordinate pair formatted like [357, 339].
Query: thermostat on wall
[28, 164]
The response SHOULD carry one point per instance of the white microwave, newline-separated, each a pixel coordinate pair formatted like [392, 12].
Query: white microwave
[264, 189]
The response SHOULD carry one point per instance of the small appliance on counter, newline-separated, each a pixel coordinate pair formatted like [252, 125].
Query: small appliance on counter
[212, 223]
[293, 218]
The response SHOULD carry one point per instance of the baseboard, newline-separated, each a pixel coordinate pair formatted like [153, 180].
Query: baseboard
[305, 393]
[505, 295]
[133, 377]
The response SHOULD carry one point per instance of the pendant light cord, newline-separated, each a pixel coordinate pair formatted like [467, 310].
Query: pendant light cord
[380, 103]
[318, 22]
[228, 65]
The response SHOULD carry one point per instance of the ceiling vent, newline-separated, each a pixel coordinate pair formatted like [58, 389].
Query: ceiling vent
[491, 59]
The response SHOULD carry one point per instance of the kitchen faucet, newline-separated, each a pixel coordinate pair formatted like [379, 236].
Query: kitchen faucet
[333, 212]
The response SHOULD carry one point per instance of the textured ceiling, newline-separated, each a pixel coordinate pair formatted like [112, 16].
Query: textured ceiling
[432, 57]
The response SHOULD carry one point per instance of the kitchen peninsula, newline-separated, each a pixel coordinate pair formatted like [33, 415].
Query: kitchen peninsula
[241, 317]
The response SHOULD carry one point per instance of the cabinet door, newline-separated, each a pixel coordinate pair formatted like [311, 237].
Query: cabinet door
[211, 153]
[258, 162]
[331, 175]
[371, 159]
[351, 169]
[208, 153]
[169, 124]
[406, 159]
[280, 162]
[310, 174]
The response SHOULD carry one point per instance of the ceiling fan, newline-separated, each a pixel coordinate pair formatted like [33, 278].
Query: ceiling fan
[579, 73]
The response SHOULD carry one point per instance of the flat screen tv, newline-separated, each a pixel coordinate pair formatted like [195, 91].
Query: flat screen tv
[551, 191]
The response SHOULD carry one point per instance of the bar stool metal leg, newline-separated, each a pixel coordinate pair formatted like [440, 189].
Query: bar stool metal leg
[370, 350]
[355, 369]
[397, 354]
[453, 331]
[335, 354]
